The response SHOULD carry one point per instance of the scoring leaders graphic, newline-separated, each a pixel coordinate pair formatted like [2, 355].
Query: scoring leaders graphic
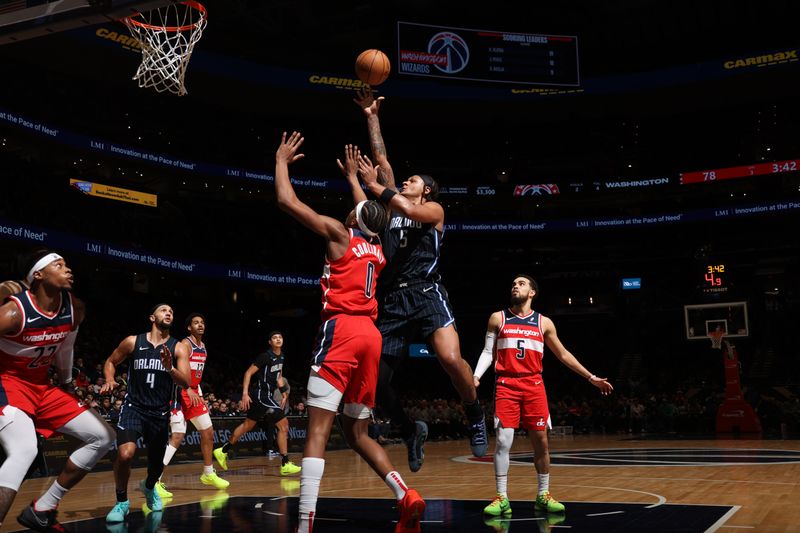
[483, 55]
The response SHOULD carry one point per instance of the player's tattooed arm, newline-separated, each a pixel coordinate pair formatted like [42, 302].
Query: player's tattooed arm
[371, 105]
[10, 318]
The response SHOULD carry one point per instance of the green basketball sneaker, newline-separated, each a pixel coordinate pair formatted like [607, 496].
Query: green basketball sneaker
[290, 468]
[500, 505]
[545, 502]
[214, 480]
[221, 457]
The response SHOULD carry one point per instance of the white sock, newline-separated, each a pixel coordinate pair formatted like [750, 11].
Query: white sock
[310, 477]
[397, 484]
[168, 453]
[544, 483]
[208, 469]
[50, 498]
[502, 485]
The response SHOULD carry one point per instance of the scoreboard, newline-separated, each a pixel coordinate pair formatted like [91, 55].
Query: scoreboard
[760, 169]
[484, 55]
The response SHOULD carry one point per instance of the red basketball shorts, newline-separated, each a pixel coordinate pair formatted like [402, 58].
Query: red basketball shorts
[190, 411]
[347, 354]
[48, 406]
[521, 400]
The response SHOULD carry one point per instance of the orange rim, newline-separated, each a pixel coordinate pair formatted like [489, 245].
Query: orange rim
[190, 3]
[716, 338]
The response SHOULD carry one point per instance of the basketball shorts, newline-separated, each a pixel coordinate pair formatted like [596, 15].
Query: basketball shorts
[412, 312]
[134, 423]
[258, 412]
[347, 354]
[49, 407]
[192, 411]
[521, 402]
[177, 421]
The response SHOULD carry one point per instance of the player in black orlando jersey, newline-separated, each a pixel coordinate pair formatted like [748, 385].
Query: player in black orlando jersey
[152, 375]
[414, 302]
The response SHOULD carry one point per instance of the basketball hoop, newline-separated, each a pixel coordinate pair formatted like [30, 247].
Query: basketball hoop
[716, 339]
[167, 35]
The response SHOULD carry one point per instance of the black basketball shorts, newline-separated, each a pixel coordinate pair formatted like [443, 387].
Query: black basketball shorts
[411, 313]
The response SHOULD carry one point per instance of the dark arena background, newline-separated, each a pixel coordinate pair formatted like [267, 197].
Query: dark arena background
[639, 159]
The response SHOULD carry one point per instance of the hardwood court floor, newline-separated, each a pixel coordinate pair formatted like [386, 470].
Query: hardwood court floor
[758, 479]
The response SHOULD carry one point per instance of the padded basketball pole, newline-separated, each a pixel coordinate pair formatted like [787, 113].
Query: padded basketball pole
[735, 415]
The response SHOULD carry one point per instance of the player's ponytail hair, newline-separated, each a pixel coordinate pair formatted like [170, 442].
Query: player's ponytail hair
[432, 184]
[374, 216]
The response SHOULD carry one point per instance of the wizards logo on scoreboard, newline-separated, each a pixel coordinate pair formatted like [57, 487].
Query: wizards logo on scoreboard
[540, 189]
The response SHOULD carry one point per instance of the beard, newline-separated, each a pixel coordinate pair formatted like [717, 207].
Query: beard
[162, 325]
[517, 300]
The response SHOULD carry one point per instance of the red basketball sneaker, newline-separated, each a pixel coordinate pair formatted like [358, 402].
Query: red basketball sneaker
[411, 508]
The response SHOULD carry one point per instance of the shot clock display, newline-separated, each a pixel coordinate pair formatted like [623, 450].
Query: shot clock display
[715, 279]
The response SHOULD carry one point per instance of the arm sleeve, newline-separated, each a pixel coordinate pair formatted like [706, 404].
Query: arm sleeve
[64, 357]
[485, 360]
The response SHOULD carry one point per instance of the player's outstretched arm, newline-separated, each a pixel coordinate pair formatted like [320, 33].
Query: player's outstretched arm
[489, 348]
[428, 213]
[331, 229]
[119, 355]
[371, 105]
[350, 170]
[564, 355]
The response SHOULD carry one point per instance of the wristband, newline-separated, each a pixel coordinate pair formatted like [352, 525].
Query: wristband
[387, 194]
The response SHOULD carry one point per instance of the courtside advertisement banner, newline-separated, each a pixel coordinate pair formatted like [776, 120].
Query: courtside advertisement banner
[115, 193]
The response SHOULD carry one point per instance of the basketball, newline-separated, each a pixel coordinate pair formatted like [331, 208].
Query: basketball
[372, 67]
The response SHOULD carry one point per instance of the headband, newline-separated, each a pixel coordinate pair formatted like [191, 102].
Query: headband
[42, 263]
[361, 224]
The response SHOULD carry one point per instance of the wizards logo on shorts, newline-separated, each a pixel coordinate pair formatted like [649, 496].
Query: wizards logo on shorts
[453, 47]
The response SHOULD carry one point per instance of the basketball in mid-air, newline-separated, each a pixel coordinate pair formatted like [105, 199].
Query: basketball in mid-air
[372, 67]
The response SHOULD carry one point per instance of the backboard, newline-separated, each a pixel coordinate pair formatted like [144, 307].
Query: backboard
[26, 19]
[729, 317]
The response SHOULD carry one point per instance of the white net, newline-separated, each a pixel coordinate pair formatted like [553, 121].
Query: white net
[716, 339]
[167, 35]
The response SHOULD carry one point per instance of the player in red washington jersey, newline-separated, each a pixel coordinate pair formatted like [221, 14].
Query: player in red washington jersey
[515, 340]
[191, 406]
[348, 348]
[38, 327]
